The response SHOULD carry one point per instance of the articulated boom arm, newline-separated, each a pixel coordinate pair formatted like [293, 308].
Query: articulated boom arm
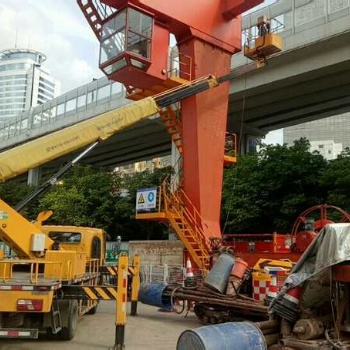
[53, 179]
[18, 233]
[18, 160]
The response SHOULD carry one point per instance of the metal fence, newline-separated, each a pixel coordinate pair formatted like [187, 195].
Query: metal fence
[163, 274]
[172, 275]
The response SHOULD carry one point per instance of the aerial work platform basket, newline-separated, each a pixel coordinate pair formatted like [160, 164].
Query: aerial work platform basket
[262, 40]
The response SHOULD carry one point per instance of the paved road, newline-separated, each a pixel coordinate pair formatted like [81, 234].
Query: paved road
[151, 329]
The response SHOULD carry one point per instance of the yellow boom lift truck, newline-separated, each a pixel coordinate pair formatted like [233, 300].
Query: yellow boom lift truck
[57, 275]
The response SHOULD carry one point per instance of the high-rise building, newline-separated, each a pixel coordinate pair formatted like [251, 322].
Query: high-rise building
[323, 133]
[24, 82]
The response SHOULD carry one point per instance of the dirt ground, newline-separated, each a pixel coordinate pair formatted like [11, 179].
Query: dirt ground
[151, 329]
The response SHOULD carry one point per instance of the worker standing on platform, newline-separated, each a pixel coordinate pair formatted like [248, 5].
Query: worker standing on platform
[263, 26]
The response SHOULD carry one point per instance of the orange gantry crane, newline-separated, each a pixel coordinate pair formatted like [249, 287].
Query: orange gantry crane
[134, 41]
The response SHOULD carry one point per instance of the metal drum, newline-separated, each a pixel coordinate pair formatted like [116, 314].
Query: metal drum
[152, 294]
[219, 274]
[223, 336]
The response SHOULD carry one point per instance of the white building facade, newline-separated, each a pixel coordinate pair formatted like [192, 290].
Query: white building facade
[24, 82]
[329, 136]
[327, 148]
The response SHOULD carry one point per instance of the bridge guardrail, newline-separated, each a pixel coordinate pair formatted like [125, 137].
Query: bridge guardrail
[67, 109]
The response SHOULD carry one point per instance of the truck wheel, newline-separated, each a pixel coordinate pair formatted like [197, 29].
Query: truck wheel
[68, 332]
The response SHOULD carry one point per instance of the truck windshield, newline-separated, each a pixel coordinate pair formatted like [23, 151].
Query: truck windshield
[66, 237]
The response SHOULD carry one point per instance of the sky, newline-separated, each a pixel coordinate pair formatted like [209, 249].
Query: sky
[58, 29]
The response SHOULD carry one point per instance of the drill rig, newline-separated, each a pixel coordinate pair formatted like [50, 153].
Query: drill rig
[134, 41]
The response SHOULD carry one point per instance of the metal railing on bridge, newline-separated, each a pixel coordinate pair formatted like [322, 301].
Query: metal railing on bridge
[79, 104]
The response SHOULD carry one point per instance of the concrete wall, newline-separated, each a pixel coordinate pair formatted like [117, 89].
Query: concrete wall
[157, 252]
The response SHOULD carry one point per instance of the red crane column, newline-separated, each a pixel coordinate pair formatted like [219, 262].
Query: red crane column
[209, 31]
[204, 118]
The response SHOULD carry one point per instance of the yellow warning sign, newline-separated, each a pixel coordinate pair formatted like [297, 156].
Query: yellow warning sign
[141, 199]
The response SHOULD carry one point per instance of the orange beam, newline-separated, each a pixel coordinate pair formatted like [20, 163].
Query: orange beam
[216, 22]
[204, 118]
[234, 8]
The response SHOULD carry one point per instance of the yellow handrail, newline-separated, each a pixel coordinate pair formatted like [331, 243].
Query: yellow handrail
[174, 202]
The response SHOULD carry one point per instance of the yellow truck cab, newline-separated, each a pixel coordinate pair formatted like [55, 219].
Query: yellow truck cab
[87, 240]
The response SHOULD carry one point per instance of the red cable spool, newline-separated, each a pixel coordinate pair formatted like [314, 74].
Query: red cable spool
[303, 240]
[319, 224]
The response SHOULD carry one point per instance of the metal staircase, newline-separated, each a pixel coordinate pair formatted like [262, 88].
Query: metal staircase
[175, 208]
[92, 16]
[187, 224]
[95, 13]
[185, 221]
[172, 125]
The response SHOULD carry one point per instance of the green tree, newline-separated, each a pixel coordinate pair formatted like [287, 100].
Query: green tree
[335, 181]
[14, 191]
[266, 191]
[98, 198]
[241, 195]
[85, 197]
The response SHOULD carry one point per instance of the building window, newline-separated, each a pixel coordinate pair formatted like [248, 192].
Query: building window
[13, 66]
[47, 82]
[14, 77]
[14, 83]
[46, 88]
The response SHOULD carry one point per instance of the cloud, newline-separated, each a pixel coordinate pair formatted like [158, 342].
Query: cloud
[66, 18]
[59, 30]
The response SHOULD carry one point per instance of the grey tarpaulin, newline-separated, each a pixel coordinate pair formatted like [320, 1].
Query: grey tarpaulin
[330, 247]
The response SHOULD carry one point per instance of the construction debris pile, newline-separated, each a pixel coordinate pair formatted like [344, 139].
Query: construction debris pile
[299, 306]
[311, 311]
[231, 291]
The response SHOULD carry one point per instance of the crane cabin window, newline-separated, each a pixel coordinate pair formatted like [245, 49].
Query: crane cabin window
[66, 237]
[113, 37]
[126, 40]
[139, 33]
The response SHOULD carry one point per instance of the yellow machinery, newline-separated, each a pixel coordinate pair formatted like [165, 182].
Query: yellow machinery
[58, 271]
[262, 40]
[56, 277]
